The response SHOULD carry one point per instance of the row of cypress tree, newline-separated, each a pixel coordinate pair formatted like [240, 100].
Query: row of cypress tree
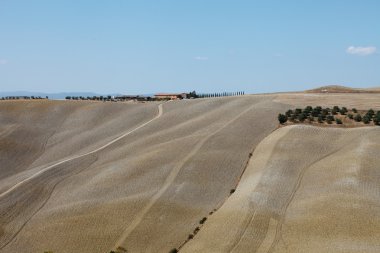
[222, 94]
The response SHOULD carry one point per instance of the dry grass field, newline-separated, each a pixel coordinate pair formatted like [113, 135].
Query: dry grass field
[306, 189]
[91, 176]
[360, 101]
[343, 89]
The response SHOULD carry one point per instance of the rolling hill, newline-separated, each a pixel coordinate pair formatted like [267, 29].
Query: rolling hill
[307, 189]
[81, 176]
[342, 89]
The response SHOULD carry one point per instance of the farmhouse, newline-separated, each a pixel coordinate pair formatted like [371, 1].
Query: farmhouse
[170, 96]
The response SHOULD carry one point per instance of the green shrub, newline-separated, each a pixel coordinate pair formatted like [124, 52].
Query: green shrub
[203, 220]
[350, 116]
[366, 119]
[282, 118]
[308, 108]
[289, 113]
[343, 111]
[302, 117]
[376, 118]
[368, 115]
[338, 121]
[354, 110]
[358, 118]
[315, 113]
[325, 112]
[330, 119]
[335, 110]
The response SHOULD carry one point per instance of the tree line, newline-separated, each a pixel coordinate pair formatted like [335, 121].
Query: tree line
[22, 97]
[94, 98]
[221, 94]
[337, 115]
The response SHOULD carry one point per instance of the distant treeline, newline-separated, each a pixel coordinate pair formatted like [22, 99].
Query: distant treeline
[222, 94]
[23, 97]
[94, 98]
[110, 98]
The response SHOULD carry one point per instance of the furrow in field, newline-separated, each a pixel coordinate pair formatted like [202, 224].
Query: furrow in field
[173, 174]
[256, 218]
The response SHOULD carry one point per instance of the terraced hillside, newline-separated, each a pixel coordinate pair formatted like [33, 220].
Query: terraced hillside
[306, 189]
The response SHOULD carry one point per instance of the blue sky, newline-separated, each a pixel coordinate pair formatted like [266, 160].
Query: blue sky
[138, 46]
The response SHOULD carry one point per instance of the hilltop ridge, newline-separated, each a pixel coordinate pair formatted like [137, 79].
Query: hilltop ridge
[343, 89]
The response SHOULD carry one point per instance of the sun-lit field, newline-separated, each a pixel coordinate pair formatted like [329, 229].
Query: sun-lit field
[196, 126]
[306, 189]
[80, 176]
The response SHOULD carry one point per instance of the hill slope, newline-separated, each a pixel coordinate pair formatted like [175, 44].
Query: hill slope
[80, 176]
[145, 192]
[342, 89]
[306, 189]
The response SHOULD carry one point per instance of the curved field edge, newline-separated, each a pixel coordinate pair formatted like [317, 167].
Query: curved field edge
[98, 199]
[306, 189]
[35, 134]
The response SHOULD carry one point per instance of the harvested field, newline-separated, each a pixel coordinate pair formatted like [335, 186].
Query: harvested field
[360, 101]
[36, 133]
[306, 189]
[79, 176]
[145, 192]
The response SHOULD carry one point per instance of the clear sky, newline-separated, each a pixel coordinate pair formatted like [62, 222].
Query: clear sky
[139, 46]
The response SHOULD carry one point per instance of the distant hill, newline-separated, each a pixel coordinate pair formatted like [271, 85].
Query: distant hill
[343, 89]
[60, 95]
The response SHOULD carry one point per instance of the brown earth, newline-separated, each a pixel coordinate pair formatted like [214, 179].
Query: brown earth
[67, 185]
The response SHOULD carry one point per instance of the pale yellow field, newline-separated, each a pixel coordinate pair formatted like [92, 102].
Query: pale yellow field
[146, 191]
[306, 189]
[360, 101]
[92, 176]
